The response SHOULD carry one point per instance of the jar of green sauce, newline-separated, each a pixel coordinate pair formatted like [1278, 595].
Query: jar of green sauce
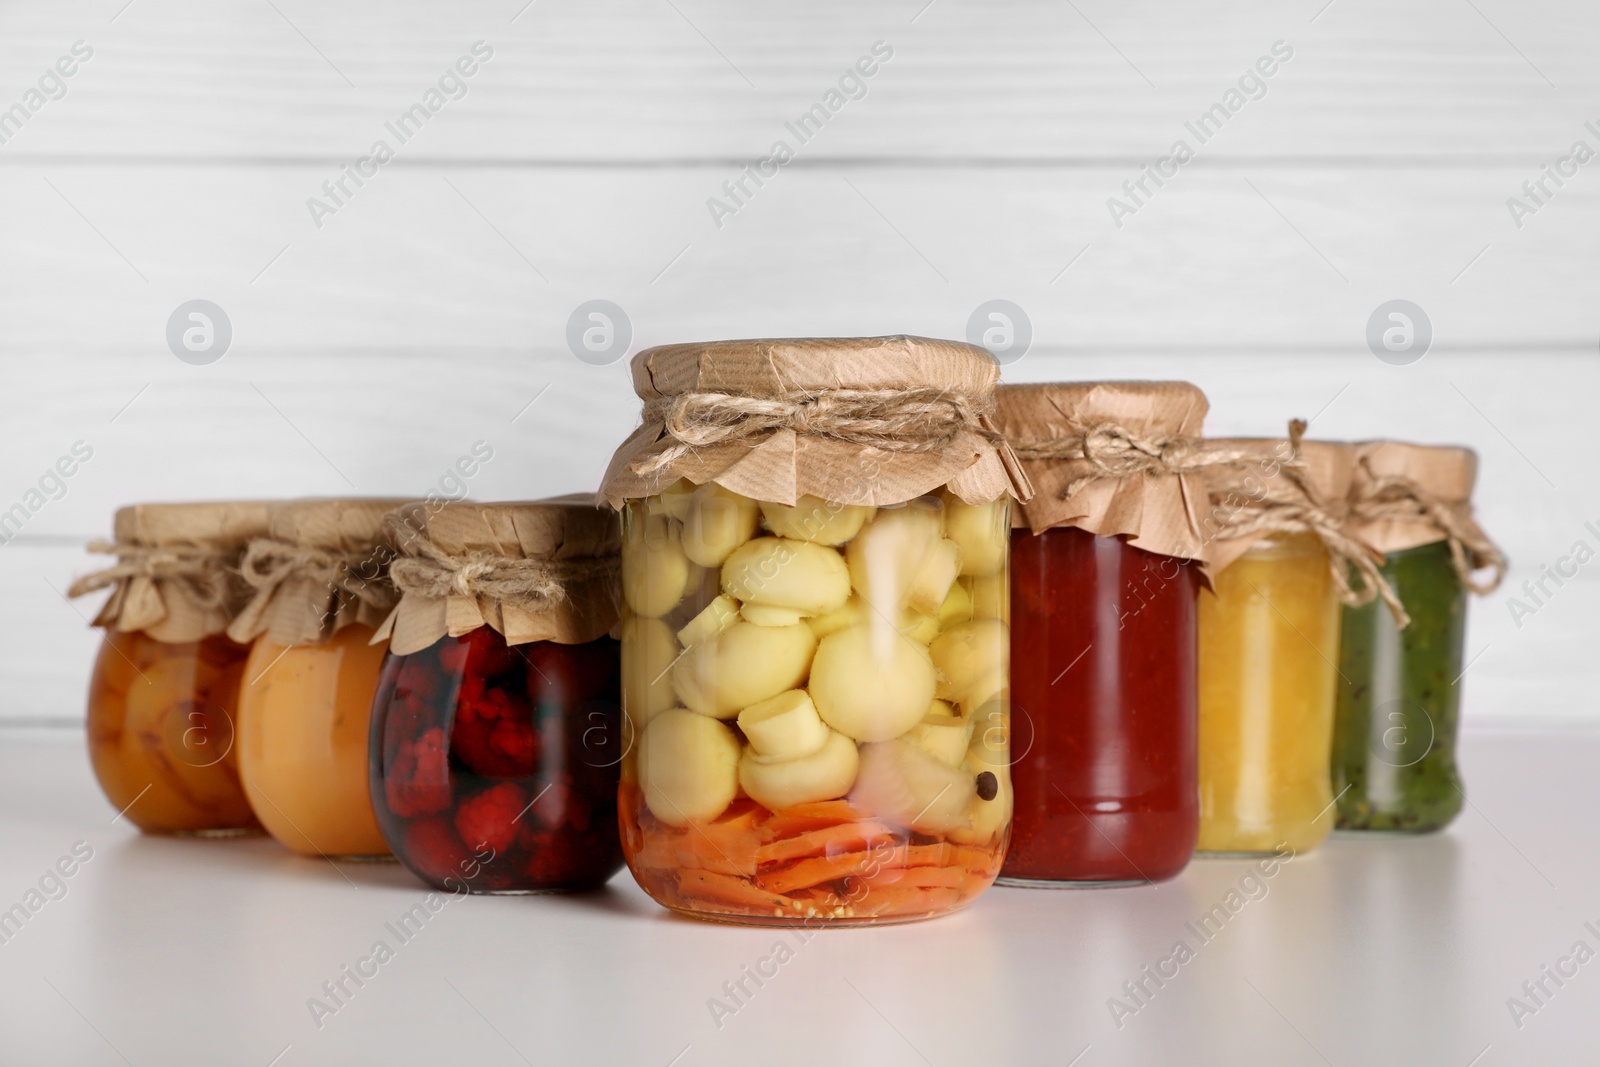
[1399, 691]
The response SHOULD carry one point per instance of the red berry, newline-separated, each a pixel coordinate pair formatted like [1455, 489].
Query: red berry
[418, 782]
[432, 849]
[494, 734]
[489, 819]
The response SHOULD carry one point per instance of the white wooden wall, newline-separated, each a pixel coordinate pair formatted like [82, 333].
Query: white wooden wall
[428, 312]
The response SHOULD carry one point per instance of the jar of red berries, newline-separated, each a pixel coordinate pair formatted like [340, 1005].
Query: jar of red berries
[496, 731]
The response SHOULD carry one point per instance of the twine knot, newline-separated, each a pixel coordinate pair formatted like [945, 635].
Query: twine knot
[205, 573]
[893, 420]
[1401, 499]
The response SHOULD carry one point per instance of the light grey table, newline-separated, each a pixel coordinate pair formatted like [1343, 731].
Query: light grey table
[1367, 952]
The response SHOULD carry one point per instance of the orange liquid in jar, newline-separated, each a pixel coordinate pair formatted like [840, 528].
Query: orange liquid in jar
[304, 715]
[161, 733]
[1269, 639]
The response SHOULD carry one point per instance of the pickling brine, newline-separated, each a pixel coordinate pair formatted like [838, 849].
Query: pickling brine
[1269, 640]
[819, 695]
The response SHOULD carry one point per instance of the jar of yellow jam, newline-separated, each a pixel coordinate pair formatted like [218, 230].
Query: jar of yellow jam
[305, 704]
[1269, 642]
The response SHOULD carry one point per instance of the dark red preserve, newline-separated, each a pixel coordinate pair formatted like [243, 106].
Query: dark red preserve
[1104, 606]
[1103, 677]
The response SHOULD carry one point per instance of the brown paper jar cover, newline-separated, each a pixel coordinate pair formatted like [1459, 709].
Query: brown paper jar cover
[322, 566]
[490, 554]
[780, 465]
[177, 577]
[1329, 471]
[1445, 472]
[1156, 511]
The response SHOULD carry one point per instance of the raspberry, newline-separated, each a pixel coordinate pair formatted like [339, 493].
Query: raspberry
[433, 851]
[488, 820]
[481, 652]
[494, 734]
[418, 782]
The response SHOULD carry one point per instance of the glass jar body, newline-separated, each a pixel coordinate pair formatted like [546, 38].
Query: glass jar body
[819, 697]
[1269, 640]
[1103, 655]
[1394, 739]
[304, 718]
[161, 724]
[494, 769]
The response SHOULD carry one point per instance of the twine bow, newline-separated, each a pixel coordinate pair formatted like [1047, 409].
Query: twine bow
[1114, 451]
[1400, 499]
[1299, 508]
[531, 584]
[205, 573]
[267, 564]
[894, 420]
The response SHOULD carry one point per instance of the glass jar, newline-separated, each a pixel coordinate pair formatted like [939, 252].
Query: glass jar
[164, 692]
[1269, 642]
[1394, 765]
[494, 768]
[161, 718]
[304, 720]
[305, 709]
[819, 694]
[1104, 648]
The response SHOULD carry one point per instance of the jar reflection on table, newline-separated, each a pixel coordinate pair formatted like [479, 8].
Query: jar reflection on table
[1103, 651]
[304, 720]
[820, 705]
[1269, 642]
[161, 725]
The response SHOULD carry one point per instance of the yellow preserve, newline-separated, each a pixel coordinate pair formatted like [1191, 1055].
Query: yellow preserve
[304, 716]
[1269, 639]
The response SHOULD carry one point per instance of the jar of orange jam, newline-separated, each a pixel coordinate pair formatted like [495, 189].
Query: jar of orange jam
[305, 705]
[1269, 642]
[165, 687]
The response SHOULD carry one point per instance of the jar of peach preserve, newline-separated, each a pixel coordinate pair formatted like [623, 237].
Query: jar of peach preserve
[165, 688]
[1399, 697]
[1105, 582]
[815, 669]
[322, 587]
[496, 732]
[1269, 640]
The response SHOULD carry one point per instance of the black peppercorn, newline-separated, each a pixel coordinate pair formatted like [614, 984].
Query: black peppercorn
[988, 786]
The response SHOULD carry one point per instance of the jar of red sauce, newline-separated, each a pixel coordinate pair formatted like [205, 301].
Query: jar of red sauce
[497, 740]
[1104, 605]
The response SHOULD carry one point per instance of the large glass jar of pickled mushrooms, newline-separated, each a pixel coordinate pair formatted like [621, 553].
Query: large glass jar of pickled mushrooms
[165, 688]
[814, 637]
[305, 705]
[496, 732]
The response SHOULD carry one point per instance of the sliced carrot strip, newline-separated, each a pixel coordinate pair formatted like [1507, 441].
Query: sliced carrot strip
[814, 842]
[802, 817]
[907, 901]
[693, 885]
[818, 869]
[920, 877]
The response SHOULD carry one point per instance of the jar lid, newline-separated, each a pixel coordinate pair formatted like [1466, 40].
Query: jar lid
[176, 576]
[855, 420]
[1113, 458]
[322, 566]
[1408, 495]
[542, 570]
[1261, 477]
